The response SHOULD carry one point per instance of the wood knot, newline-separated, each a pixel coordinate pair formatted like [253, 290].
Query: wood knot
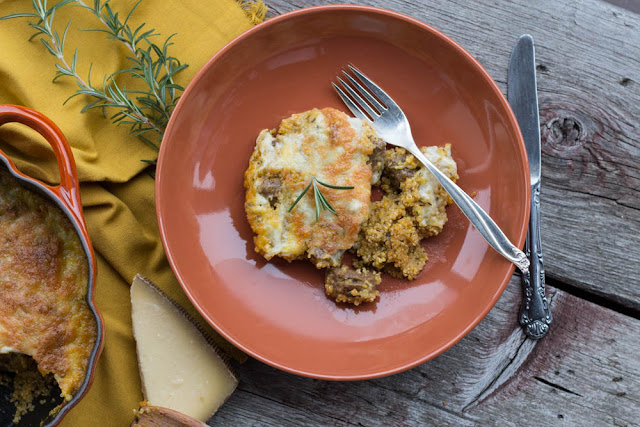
[565, 132]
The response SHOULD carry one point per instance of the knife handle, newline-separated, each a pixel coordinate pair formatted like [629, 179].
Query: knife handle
[535, 315]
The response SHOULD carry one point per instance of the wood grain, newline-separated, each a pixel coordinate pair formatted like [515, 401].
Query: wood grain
[588, 61]
[585, 372]
[632, 5]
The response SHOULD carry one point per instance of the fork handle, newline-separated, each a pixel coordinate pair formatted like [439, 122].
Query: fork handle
[477, 216]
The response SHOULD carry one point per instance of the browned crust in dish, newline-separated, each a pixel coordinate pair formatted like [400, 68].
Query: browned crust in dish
[43, 286]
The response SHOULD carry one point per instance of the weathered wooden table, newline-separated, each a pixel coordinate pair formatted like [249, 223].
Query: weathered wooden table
[587, 370]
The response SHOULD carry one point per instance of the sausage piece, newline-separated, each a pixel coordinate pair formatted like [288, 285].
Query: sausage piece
[270, 187]
[399, 166]
[345, 284]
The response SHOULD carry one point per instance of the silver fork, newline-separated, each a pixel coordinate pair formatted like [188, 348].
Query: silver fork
[392, 126]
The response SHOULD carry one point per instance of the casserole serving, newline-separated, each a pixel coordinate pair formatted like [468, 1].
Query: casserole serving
[50, 331]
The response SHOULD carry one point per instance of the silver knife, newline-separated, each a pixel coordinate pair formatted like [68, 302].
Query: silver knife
[535, 315]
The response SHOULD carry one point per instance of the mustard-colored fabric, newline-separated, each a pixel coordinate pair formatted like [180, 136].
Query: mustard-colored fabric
[117, 192]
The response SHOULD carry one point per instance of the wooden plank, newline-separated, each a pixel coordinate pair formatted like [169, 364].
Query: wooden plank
[588, 56]
[585, 372]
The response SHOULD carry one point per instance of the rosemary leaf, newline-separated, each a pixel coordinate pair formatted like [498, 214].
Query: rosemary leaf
[337, 187]
[151, 144]
[300, 196]
[135, 6]
[96, 30]
[92, 104]
[63, 70]
[325, 204]
[316, 195]
[320, 200]
[64, 35]
[49, 48]
[18, 15]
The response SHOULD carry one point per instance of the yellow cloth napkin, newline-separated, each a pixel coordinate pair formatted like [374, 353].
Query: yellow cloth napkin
[117, 192]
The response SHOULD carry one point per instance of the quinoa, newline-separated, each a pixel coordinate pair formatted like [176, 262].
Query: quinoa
[412, 208]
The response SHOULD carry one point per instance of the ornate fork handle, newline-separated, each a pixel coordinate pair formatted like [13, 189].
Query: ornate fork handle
[535, 315]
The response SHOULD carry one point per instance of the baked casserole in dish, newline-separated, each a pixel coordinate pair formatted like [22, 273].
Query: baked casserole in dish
[50, 330]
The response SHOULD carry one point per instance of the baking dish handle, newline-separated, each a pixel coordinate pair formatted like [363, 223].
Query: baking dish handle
[69, 189]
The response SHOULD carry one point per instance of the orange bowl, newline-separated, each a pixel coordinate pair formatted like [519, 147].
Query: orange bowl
[66, 196]
[277, 311]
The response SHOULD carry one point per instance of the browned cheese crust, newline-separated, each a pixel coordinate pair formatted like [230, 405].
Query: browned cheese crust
[325, 144]
[43, 286]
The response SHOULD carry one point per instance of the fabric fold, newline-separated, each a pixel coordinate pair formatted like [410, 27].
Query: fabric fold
[116, 189]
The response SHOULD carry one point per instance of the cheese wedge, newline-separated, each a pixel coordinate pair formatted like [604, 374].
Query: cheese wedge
[179, 368]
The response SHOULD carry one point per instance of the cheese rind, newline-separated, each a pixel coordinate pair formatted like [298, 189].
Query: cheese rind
[179, 368]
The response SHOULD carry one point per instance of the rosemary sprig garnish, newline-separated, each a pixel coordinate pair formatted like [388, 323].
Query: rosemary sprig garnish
[321, 201]
[146, 111]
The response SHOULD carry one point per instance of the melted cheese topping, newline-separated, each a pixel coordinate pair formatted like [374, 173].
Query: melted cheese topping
[43, 286]
[325, 144]
[430, 197]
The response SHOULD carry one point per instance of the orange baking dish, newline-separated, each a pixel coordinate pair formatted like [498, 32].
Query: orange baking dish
[66, 196]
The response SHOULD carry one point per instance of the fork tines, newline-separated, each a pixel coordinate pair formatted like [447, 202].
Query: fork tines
[364, 104]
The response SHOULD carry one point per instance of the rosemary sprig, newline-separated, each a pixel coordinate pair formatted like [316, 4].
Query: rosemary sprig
[114, 27]
[321, 201]
[146, 111]
[152, 64]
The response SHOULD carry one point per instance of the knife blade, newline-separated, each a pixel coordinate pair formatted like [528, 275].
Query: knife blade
[522, 94]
